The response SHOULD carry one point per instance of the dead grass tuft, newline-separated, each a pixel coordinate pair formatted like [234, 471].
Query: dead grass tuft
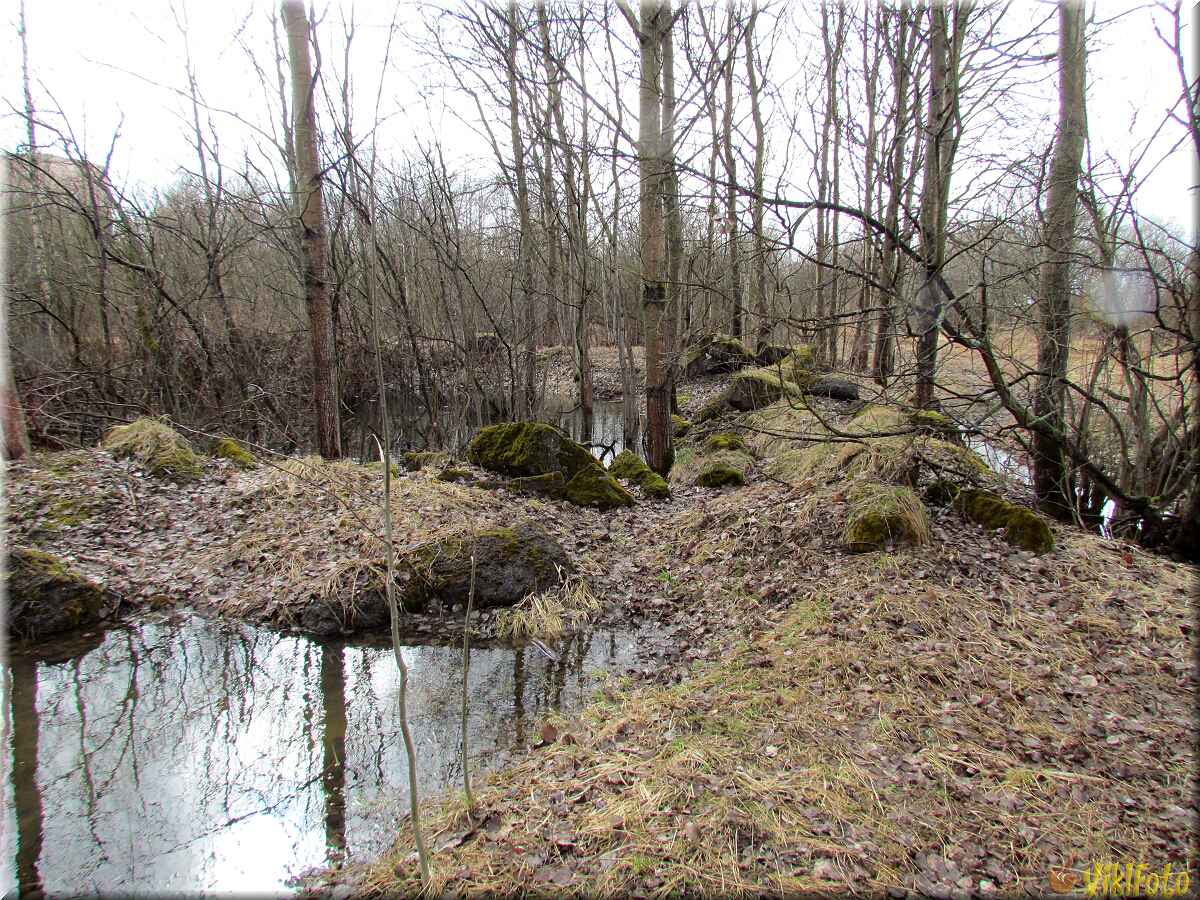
[551, 613]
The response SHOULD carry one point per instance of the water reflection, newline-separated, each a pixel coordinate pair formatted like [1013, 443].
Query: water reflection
[196, 755]
[606, 433]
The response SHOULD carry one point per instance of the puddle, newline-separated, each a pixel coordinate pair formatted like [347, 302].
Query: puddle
[209, 756]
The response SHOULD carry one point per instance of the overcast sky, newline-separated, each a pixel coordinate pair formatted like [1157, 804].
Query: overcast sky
[105, 60]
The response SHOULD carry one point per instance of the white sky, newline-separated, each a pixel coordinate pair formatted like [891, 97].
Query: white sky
[103, 60]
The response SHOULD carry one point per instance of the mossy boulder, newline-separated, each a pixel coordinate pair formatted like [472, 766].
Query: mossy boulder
[630, 467]
[1022, 526]
[725, 440]
[510, 564]
[941, 492]
[416, 460]
[552, 484]
[228, 448]
[45, 596]
[755, 388]
[716, 354]
[680, 426]
[156, 446]
[928, 421]
[529, 448]
[724, 468]
[884, 515]
[596, 489]
[799, 366]
[452, 474]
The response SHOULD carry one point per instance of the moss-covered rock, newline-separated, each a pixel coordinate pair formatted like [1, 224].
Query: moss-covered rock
[799, 366]
[680, 426]
[1029, 531]
[529, 448]
[596, 488]
[510, 564]
[723, 468]
[941, 492]
[45, 596]
[416, 460]
[716, 354]
[725, 440]
[630, 467]
[718, 473]
[156, 446]
[655, 486]
[928, 421]
[452, 474]
[1022, 527]
[228, 448]
[883, 515]
[755, 388]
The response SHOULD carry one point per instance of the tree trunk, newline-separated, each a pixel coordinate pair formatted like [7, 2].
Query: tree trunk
[528, 393]
[758, 261]
[314, 250]
[655, 19]
[1050, 471]
[731, 214]
[933, 233]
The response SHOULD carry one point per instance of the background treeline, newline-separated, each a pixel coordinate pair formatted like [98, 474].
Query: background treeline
[822, 165]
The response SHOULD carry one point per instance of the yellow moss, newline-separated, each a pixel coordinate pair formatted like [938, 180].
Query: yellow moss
[228, 448]
[156, 446]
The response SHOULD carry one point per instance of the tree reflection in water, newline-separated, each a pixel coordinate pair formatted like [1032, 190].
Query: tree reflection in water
[208, 756]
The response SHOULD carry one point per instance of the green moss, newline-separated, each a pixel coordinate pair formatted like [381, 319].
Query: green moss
[753, 389]
[985, 507]
[725, 440]
[941, 493]
[927, 421]
[529, 448]
[596, 489]
[680, 426]
[882, 515]
[713, 409]
[160, 449]
[716, 353]
[717, 473]
[628, 466]
[228, 448]
[800, 366]
[1022, 527]
[1029, 531]
[724, 467]
[378, 467]
[416, 460]
[655, 486]
[454, 475]
[47, 597]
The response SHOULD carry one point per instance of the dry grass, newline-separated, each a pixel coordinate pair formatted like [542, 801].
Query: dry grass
[886, 717]
[551, 613]
[911, 705]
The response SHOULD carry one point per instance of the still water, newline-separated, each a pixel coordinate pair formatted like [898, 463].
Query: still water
[193, 755]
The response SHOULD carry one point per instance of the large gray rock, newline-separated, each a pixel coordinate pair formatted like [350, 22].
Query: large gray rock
[510, 563]
[833, 388]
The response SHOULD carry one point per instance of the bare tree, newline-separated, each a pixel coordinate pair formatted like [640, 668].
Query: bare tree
[310, 212]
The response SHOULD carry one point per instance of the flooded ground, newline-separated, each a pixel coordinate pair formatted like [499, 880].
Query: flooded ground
[187, 754]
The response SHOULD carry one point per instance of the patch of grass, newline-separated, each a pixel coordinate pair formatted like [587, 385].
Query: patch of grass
[549, 614]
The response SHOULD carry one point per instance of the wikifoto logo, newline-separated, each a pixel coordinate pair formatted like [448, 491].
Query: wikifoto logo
[1122, 880]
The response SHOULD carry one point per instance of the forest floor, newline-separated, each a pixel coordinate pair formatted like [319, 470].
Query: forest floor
[959, 718]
